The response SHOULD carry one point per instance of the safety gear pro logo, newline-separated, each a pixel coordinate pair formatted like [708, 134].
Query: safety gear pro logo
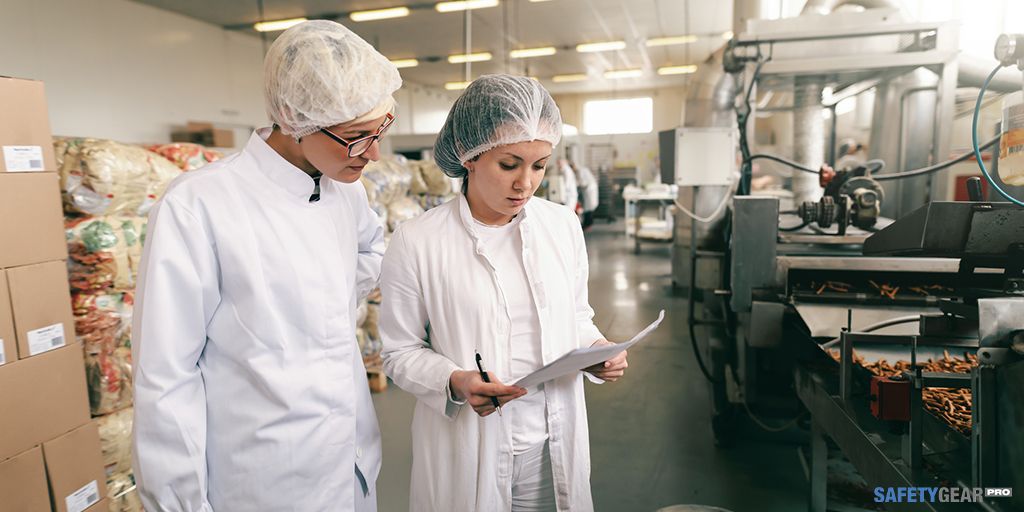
[939, 494]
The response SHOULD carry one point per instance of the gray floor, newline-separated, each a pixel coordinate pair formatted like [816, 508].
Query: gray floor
[650, 435]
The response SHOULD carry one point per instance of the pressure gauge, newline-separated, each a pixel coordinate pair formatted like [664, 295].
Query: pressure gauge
[1010, 49]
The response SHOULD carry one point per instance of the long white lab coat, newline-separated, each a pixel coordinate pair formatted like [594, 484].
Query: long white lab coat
[588, 183]
[250, 392]
[441, 302]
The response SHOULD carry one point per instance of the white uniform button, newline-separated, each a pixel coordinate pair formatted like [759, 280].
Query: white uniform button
[359, 453]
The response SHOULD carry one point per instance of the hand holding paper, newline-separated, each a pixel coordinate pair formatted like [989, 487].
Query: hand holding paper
[582, 358]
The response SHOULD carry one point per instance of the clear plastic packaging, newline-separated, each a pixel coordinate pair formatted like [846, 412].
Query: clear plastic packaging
[1011, 146]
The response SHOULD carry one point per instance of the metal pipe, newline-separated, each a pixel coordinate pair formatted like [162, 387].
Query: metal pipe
[899, 121]
[808, 137]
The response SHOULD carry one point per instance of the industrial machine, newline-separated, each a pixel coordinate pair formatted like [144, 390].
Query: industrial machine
[901, 341]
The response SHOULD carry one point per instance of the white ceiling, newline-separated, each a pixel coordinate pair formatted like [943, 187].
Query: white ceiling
[513, 24]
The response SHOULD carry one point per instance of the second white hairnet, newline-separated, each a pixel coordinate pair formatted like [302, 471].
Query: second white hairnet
[495, 110]
[319, 74]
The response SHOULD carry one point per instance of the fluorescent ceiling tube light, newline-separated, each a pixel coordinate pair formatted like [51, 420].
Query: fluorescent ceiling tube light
[677, 70]
[455, 86]
[669, 41]
[469, 57]
[465, 5]
[405, 63]
[274, 26]
[526, 53]
[624, 73]
[601, 47]
[379, 14]
[578, 77]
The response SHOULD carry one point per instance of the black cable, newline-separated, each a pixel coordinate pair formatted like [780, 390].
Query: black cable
[742, 116]
[784, 161]
[937, 167]
[795, 228]
[696, 353]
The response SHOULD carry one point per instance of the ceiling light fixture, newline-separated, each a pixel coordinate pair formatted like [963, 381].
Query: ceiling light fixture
[455, 86]
[463, 58]
[379, 14]
[278, 25]
[464, 5]
[669, 41]
[601, 47]
[405, 63]
[677, 70]
[526, 53]
[578, 77]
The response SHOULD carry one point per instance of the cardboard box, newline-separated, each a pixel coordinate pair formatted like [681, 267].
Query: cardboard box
[26, 143]
[41, 307]
[23, 483]
[41, 398]
[31, 219]
[8, 343]
[74, 467]
[205, 134]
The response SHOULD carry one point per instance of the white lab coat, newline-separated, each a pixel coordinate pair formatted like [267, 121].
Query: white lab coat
[588, 183]
[441, 302]
[250, 392]
[571, 194]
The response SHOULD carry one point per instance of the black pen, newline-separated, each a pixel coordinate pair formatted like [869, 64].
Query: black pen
[483, 375]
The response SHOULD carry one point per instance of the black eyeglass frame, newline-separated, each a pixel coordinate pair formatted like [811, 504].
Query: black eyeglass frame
[349, 144]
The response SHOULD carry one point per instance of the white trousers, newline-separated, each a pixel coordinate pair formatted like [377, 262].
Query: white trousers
[533, 487]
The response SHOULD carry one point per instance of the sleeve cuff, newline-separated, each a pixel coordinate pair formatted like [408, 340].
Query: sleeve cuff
[451, 406]
[592, 378]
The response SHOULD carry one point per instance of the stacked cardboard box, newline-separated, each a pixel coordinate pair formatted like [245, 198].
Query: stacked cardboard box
[50, 456]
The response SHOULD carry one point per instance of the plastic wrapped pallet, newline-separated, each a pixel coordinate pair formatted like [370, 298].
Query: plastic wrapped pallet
[102, 177]
[186, 155]
[103, 320]
[401, 210]
[109, 376]
[437, 182]
[416, 186]
[390, 177]
[104, 252]
[116, 441]
[122, 493]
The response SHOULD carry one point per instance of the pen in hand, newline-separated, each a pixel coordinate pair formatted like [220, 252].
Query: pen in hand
[483, 375]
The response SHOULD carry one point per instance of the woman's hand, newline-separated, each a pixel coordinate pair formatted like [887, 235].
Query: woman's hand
[612, 369]
[469, 386]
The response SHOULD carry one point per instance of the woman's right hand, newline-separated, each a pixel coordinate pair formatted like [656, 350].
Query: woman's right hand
[469, 386]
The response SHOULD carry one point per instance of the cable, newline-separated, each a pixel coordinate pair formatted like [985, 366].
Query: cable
[696, 353]
[974, 140]
[939, 166]
[784, 161]
[798, 227]
[769, 428]
[714, 214]
[879, 325]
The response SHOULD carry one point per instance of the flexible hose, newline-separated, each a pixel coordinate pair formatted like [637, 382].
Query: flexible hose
[974, 140]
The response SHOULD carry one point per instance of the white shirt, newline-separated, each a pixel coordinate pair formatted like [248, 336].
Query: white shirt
[250, 392]
[504, 245]
[571, 194]
[442, 301]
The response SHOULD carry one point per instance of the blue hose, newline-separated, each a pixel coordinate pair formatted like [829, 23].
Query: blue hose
[974, 140]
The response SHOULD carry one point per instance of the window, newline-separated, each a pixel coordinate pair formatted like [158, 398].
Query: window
[603, 117]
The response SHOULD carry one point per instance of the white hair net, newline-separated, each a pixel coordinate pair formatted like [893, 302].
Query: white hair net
[319, 74]
[495, 110]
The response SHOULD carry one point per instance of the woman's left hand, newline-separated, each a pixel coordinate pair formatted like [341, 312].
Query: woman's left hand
[612, 369]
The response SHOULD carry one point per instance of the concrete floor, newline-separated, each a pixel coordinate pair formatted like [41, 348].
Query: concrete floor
[650, 433]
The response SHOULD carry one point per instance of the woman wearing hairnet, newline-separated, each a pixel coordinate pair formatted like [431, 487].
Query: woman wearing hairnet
[503, 274]
[250, 392]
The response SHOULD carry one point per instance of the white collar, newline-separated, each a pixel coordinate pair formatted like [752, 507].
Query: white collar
[281, 172]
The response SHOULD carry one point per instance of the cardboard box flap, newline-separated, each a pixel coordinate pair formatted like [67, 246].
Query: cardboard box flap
[23, 483]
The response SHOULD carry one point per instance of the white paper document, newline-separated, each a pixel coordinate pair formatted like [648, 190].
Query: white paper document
[581, 358]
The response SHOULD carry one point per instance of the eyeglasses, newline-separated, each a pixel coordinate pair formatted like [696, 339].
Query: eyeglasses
[359, 146]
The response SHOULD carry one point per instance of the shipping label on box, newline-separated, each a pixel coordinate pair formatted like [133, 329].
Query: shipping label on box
[23, 158]
[74, 466]
[41, 306]
[25, 127]
[46, 339]
[83, 498]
